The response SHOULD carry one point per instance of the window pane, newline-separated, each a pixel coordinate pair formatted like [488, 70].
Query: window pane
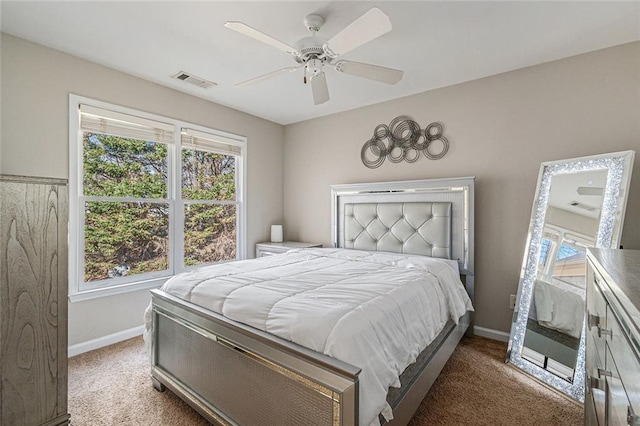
[120, 167]
[122, 239]
[570, 265]
[208, 176]
[209, 233]
[544, 251]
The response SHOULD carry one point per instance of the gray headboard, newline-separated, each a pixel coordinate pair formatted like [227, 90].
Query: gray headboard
[409, 227]
[428, 217]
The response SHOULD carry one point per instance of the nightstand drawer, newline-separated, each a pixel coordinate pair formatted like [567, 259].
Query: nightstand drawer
[269, 249]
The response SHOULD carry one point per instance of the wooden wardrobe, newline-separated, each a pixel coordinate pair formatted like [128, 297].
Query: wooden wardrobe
[33, 301]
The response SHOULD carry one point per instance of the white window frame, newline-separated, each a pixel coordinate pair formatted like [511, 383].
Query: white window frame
[564, 237]
[78, 290]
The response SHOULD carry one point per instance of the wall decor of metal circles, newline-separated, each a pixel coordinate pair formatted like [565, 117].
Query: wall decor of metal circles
[403, 139]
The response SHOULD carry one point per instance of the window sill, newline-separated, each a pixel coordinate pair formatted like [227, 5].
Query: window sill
[117, 289]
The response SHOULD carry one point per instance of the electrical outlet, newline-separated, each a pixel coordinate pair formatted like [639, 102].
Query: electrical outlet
[512, 302]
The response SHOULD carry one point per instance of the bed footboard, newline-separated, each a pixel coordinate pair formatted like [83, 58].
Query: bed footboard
[234, 374]
[438, 353]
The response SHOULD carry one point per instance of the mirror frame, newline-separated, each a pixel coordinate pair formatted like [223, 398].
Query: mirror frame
[619, 166]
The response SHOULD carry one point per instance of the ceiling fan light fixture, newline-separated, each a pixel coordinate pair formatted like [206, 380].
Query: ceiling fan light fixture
[309, 47]
[314, 67]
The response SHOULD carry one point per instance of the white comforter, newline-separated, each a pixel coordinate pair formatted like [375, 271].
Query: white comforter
[376, 311]
[560, 306]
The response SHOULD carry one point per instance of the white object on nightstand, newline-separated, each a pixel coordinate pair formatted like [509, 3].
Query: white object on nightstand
[268, 248]
[276, 233]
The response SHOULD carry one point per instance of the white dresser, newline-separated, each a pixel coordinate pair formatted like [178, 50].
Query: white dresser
[612, 394]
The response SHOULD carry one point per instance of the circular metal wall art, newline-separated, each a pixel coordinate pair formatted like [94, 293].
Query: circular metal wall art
[401, 140]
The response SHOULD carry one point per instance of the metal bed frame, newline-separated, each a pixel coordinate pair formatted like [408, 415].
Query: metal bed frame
[253, 377]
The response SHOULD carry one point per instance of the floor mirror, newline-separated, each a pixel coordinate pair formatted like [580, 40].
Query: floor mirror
[579, 203]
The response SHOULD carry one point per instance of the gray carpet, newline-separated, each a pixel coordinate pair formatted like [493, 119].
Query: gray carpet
[110, 386]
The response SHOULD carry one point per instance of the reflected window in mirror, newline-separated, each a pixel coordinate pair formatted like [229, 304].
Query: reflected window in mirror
[563, 257]
[546, 249]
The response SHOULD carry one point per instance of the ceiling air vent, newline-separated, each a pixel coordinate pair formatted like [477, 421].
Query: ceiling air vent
[589, 190]
[192, 79]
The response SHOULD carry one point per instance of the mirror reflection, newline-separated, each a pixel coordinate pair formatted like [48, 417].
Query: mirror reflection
[556, 313]
[579, 203]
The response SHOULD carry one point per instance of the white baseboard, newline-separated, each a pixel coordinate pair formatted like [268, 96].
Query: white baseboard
[101, 342]
[490, 333]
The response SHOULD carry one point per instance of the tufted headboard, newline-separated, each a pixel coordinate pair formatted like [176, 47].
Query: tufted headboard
[413, 228]
[427, 217]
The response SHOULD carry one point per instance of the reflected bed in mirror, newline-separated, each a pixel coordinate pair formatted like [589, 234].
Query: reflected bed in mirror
[579, 203]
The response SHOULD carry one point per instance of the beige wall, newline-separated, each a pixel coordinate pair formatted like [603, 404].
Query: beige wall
[36, 82]
[500, 129]
[571, 221]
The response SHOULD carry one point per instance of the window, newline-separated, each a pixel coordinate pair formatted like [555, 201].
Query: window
[562, 256]
[149, 197]
[208, 186]
[549, 240]
[571, 263]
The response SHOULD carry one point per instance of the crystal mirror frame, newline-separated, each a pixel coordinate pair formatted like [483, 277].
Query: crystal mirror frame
[609, 233]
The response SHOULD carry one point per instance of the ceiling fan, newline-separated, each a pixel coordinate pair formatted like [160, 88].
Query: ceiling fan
[314, 53]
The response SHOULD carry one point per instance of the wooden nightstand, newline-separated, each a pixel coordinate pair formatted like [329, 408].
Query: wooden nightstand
[268, 248]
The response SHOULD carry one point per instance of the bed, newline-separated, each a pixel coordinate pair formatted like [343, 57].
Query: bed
[236, 362]
[555, 320]
[559, 306]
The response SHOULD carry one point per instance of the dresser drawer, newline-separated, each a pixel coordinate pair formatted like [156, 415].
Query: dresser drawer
[595, 385]
[613, 280]
[618, 406]
[591, 416]
[626, 360]
[597, 317]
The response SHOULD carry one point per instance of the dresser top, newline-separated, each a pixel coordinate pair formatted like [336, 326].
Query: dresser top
[621, 270]
[33, 179]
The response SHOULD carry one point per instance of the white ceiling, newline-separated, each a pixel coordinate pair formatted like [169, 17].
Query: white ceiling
[437, 44]
[564, 191]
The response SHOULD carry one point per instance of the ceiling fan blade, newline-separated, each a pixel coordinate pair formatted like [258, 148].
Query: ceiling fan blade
[267, 76]
[260, 36]
[319, 89]
[369, 26]
[372, 72]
